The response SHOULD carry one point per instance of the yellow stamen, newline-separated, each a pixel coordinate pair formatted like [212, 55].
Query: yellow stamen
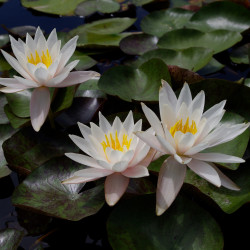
[114, 143]
[45, 58]
[184, 129]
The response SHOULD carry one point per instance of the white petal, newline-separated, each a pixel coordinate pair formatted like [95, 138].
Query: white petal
[182, 159]
[128, 124]
[184, 97]
[120, 166]
[41, 75]
[104, 124]
[12, 90]
[26, 82]
[170, 181]
[196, 149]
[84, 159]
[30, 43]
[186, 142]
[13, 83]
[52, 39]
[198, 103]
[168, 115]
[217, 157]
[85, 130]
[57, 80]
[167, 95]
[140, 155]
[39, 107]
[205, 171]
[115, 186]
[76, 77]
[38, 34]
[225, 181]
[95, 130]
[151, 140]
[15, 64]
[153, 120]
[169, 149]
[215, 110]
[136, 172]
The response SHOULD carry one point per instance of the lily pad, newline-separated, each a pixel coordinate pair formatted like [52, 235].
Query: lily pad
[212, 67]
[221, 15]
[237, 95]
[140, 84]
[4, 66]
[141, 2]
[58, 7]
[5, 132]
[217, 40]
[34, 148]
[128, 226]
[138, 44]
[10, 238]
[229, 201]
[159, 22]
[43, 192]
[192, 58]
[19, 103]
[4, 39]
[104, 6]
[240, 54]
[3, 102]
[140, 186]
[15, 121]
[85, 62]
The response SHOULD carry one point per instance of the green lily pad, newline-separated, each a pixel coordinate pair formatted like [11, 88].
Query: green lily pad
[217, 40]
[43, 192]
[134, 225]
[140, 186]
[15, 121]
[4, 66]
[192, 58]
[4, 39]
[240, 54]
[212, 67]
[141, 2]
[221, 15]
[26, 150]
[237, 146]
[10, 238]
[138, 44]
[229, 201]
[19, 102]
[237, 95]
[140, 84]
[104, 6]
[58, 7]
[159, 22]
[3, 102]
[247, 82]
[85, 62]
[5, 132]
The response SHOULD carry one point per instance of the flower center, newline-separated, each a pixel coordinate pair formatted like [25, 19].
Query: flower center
[183, 128]
[114, 143]
[45, 58]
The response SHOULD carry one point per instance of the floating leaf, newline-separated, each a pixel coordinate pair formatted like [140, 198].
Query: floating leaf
[4, 66]
[10, 238]
[191, 58]
[212, 67]
[3, 102]
[89, 7]
[5, 132]
[23, 30]
[140, 84]
[228, 200]
[140, 186]
[34, 148]
[19, 102]
[43, 191]
[58, 7]
[159, 22]
[217, 40]
[240, 54]
[221, 15]
[85, 62]
[141, 2]
[134, 225]
[4, 39]
[138, 44]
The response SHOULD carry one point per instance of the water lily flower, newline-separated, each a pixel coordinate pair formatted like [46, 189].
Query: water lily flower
[183, 132]
[114, 151]
[42, 64]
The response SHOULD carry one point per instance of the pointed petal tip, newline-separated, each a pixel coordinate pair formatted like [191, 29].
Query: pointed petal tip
[159, 210]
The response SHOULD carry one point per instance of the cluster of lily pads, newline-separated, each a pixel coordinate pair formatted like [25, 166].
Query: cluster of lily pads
[43, 102]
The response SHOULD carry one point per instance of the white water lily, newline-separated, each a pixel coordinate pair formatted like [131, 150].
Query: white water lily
[183, 132]
[114, 151]
[42, 64]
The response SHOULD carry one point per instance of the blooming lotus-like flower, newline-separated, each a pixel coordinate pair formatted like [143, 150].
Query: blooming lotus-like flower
[114, 151]
[42, 64]
[184, 131]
